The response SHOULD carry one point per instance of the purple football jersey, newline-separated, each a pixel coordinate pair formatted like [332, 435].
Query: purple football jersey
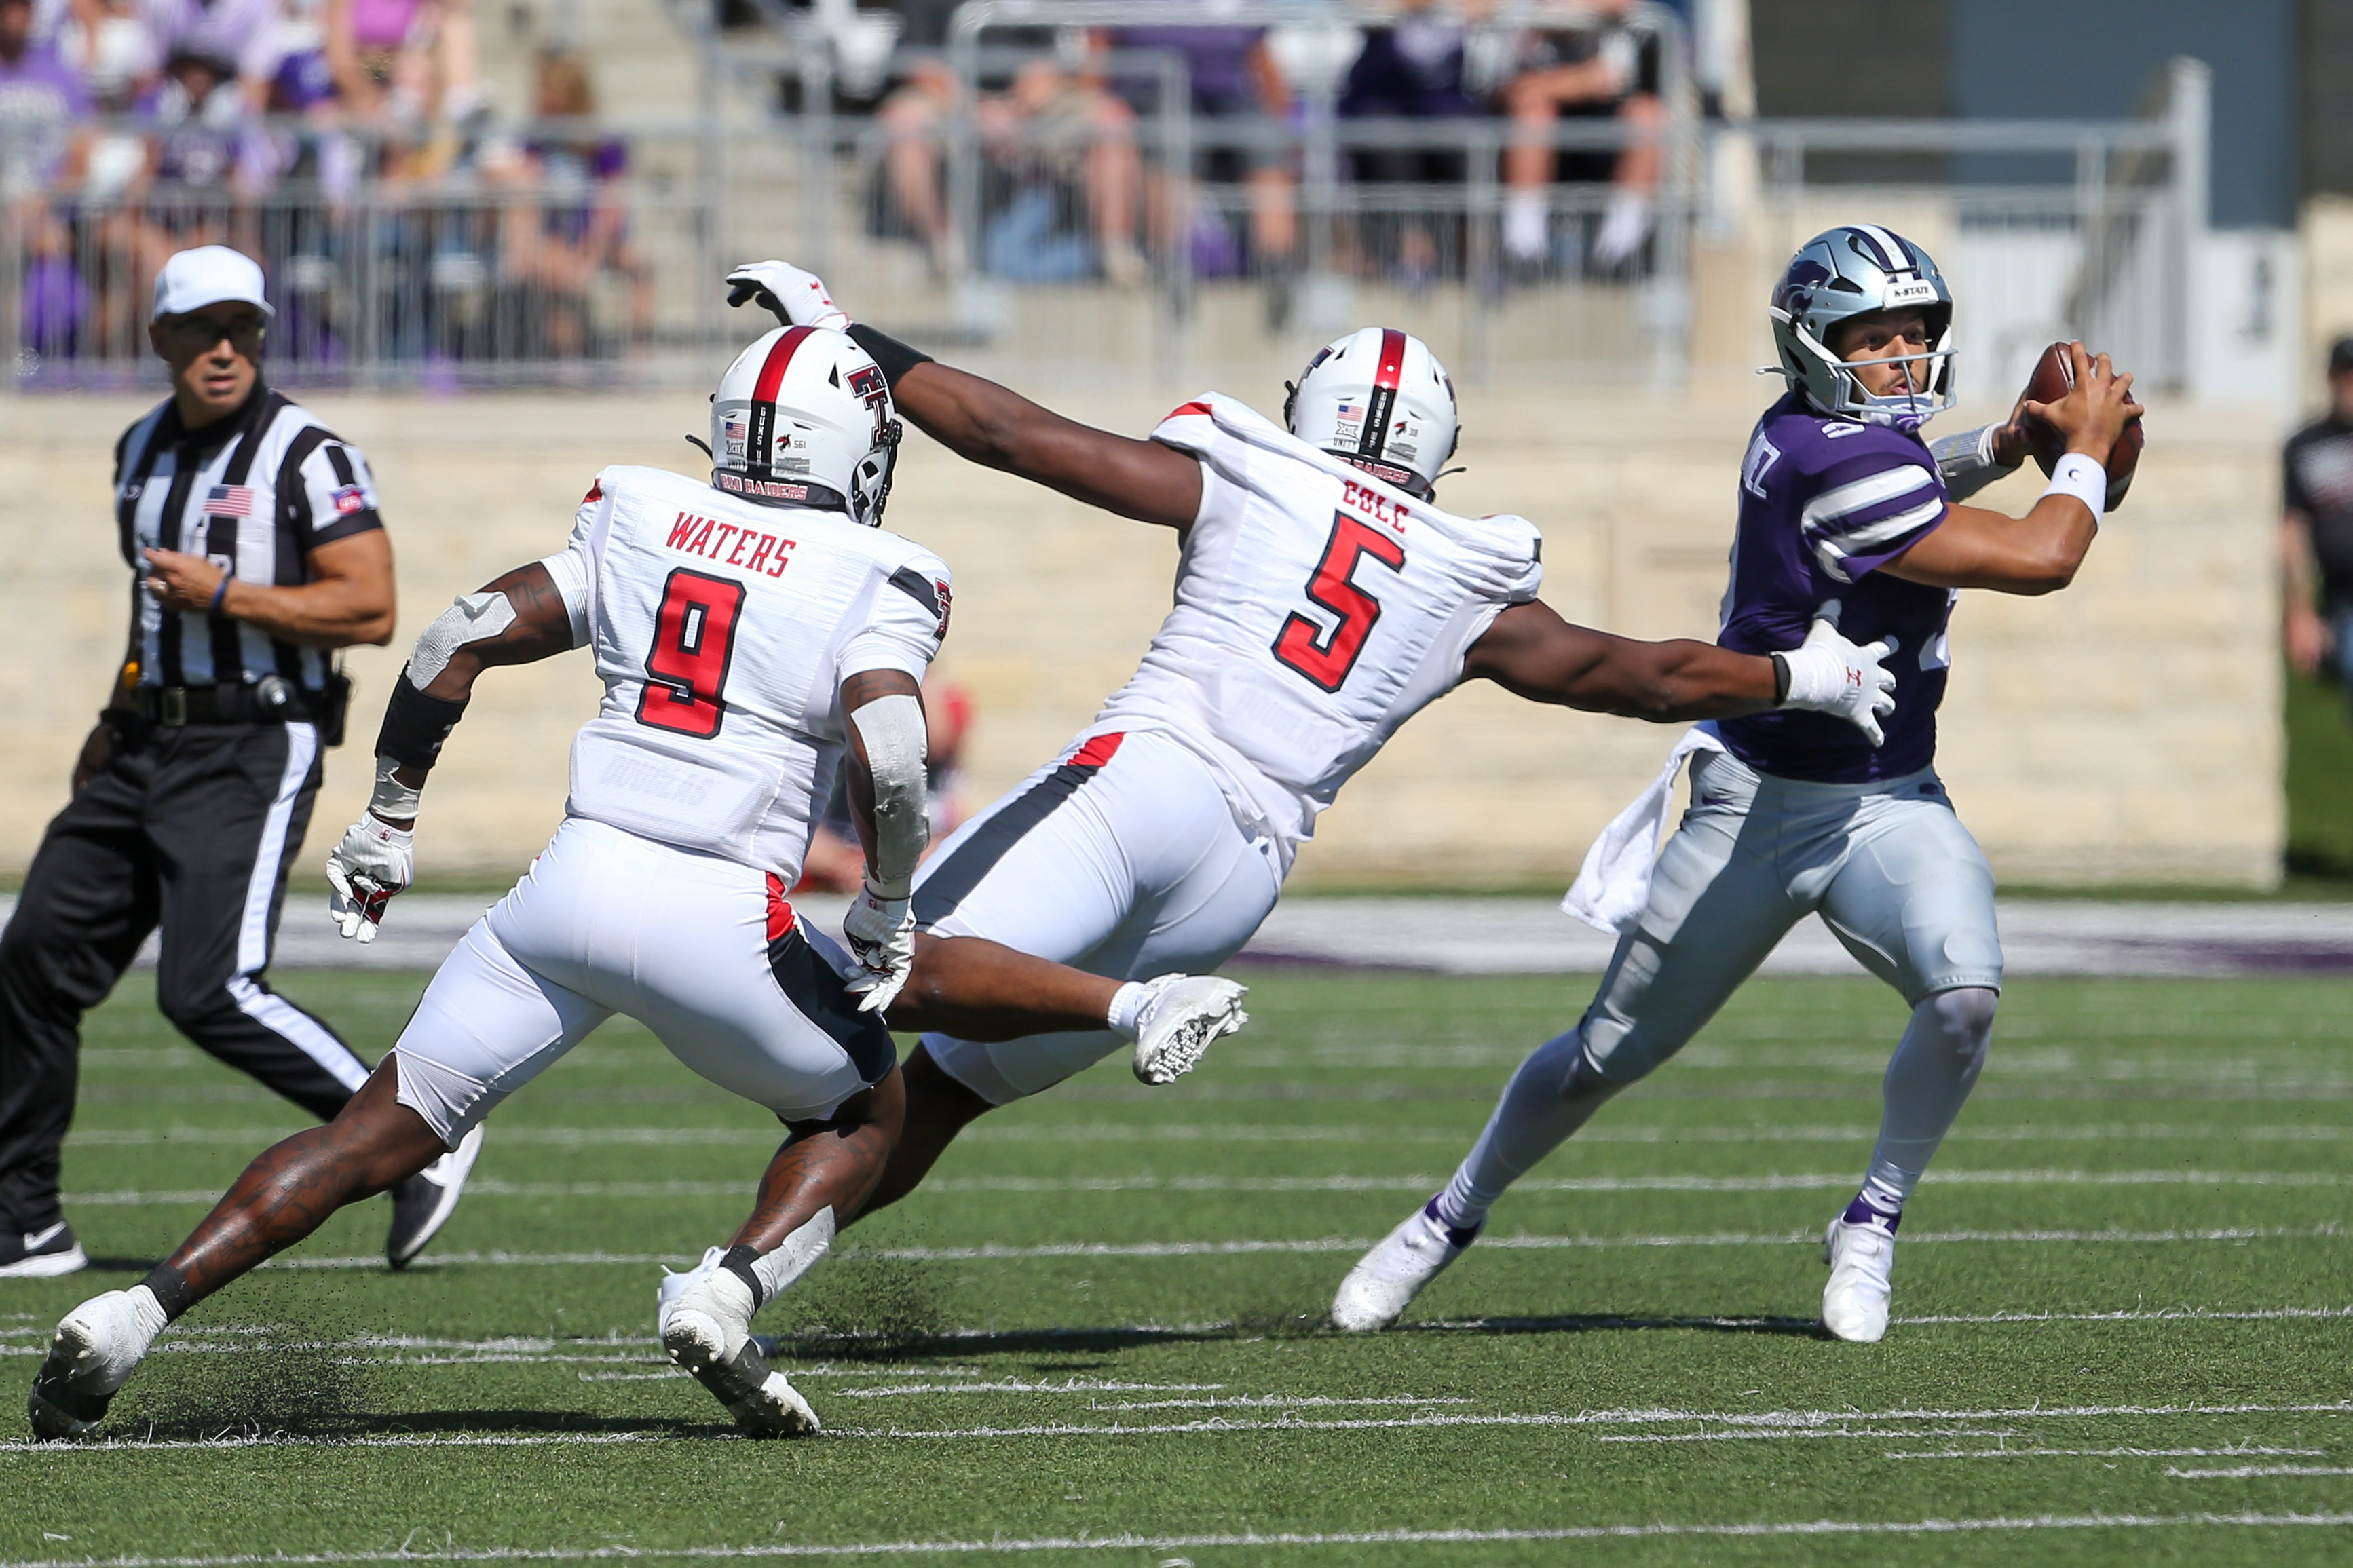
[1823, 503]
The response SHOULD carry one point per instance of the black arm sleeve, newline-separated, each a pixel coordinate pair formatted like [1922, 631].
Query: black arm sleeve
[895, 357]
[415, 725]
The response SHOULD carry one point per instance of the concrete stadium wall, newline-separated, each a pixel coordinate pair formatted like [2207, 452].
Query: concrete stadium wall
[2126, 731]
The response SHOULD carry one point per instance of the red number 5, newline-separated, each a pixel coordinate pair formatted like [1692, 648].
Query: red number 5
[1326, 657]
[686, 669]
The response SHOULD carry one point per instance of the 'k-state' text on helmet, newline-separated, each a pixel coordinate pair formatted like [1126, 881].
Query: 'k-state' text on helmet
[1850, 272]
[1377, 398]
[802, 418]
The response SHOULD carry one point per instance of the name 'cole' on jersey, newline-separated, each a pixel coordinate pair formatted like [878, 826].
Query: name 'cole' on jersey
[723, 631]
[1317, 609]
[1825, 502]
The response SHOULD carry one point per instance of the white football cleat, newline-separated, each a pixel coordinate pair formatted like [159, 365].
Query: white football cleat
[423, 1203]
[1386, 1280]
[1182, 1013]
[706, 1327]
[97, 1347]
[1862, 1260]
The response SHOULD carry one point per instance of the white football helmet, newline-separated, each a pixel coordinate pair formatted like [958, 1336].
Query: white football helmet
[802, 418]
[1379, 399]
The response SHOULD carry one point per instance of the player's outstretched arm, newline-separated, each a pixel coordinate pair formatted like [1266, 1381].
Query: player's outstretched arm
[977, 419]
[517, 618]
[888, 743]
[2040, 553]
[1533, 653]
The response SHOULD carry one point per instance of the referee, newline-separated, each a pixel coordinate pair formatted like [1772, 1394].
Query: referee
[256, 548]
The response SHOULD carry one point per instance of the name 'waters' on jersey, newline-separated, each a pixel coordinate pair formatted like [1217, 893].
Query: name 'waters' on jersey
[1823, 504]
[1317, 609]
[723, 631]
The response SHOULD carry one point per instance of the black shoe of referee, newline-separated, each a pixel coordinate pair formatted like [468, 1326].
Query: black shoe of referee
[41, 1254]
[422, 1205]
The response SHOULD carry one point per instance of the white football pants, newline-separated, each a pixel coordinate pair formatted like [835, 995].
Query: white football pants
[1124, 859]
[704, 951]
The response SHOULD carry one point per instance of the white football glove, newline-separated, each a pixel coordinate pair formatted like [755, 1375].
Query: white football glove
[881, 934]
[375, 861]
[1828, 674]
[796, 297]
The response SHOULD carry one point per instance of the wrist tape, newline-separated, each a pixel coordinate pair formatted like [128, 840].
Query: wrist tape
[895, 357]
[2080, 476]
[415, 725]
[393, 800]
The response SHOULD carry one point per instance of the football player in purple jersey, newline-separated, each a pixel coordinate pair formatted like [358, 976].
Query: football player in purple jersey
[1841, 501]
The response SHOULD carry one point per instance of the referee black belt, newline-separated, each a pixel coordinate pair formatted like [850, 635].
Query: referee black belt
[271, 700]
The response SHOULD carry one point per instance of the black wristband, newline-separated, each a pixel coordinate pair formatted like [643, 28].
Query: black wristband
[171, 1288]
[1780, 678]
[415, 725]
[895, 357]
[738, 1262]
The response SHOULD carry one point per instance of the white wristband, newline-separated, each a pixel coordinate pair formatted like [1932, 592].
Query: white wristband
[2078, 476]
[393, 800]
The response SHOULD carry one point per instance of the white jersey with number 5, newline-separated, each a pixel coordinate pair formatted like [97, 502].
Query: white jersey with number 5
[723, 631]
[1317, 609]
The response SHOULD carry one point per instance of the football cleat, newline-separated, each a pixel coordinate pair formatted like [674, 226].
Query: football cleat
[422, 1205]
[1862, 1259]
[1386, 1280]
[1182, 1013]
[706, 1327]
[41, 1254]
[96, 1348]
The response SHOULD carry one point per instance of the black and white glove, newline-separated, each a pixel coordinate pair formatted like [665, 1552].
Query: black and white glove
[375, 861]
[1828, 674]
[882, 935]
[796, 297]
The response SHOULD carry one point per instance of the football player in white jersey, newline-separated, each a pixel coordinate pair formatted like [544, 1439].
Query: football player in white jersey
[750, 634]
[1323, 599]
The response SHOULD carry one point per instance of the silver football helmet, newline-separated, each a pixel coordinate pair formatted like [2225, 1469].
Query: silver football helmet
[1848, 271]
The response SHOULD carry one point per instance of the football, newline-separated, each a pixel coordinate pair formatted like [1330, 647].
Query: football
[2054, 378]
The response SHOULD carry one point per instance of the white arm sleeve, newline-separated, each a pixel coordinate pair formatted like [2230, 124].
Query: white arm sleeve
[896, 743]
[1968, 463]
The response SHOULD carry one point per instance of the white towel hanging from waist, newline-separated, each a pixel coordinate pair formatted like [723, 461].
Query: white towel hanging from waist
[1614, 883]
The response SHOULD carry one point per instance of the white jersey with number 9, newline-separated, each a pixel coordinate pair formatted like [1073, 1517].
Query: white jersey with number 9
[723, 631]
[1317, 609]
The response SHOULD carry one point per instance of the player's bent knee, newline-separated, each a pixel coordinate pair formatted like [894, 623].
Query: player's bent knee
[1967, 1010]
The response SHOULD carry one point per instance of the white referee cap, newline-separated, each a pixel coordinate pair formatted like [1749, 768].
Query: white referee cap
[208, 275]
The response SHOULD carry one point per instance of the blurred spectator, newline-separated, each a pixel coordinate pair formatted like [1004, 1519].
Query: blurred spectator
[2316, 533]
[569, 224]
[1054, 130]
[108, 43]
[41, 100]
[1411, 69]
[1609, 69]
[409, 70]
[234, 36]
[1234, 80]
[835, 863]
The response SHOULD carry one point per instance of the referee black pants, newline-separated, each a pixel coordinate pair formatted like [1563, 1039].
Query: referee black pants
[191, 829]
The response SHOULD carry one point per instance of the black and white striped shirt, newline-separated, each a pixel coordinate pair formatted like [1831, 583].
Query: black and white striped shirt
[255, 494]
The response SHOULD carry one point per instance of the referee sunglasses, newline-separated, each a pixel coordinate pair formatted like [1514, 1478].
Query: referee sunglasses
[199, 332]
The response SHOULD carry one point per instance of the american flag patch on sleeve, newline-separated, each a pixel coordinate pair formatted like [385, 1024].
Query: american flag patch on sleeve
[230, 500]
[349, 499]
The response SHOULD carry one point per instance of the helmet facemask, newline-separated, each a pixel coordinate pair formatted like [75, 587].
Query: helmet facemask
[1839, 276]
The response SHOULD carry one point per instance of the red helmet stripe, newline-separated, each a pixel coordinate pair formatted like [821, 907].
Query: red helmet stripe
[1390, 372]
[772, 369]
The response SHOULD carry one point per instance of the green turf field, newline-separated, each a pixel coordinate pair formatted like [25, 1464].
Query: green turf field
[2123, 1309]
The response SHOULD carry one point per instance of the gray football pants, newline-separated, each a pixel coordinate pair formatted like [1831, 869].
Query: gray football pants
[1892, 873]
[1888, 866]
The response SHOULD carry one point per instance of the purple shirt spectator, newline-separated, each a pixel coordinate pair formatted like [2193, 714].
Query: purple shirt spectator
[1411, 70]
[237, 33]
[40, 100]
[1218, 60]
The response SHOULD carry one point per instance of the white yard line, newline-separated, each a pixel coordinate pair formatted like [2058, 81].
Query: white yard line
[1088, 1249]
[1824, 1181]
[2243, 1471]
[2233, 1452]
[1136, 1542]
